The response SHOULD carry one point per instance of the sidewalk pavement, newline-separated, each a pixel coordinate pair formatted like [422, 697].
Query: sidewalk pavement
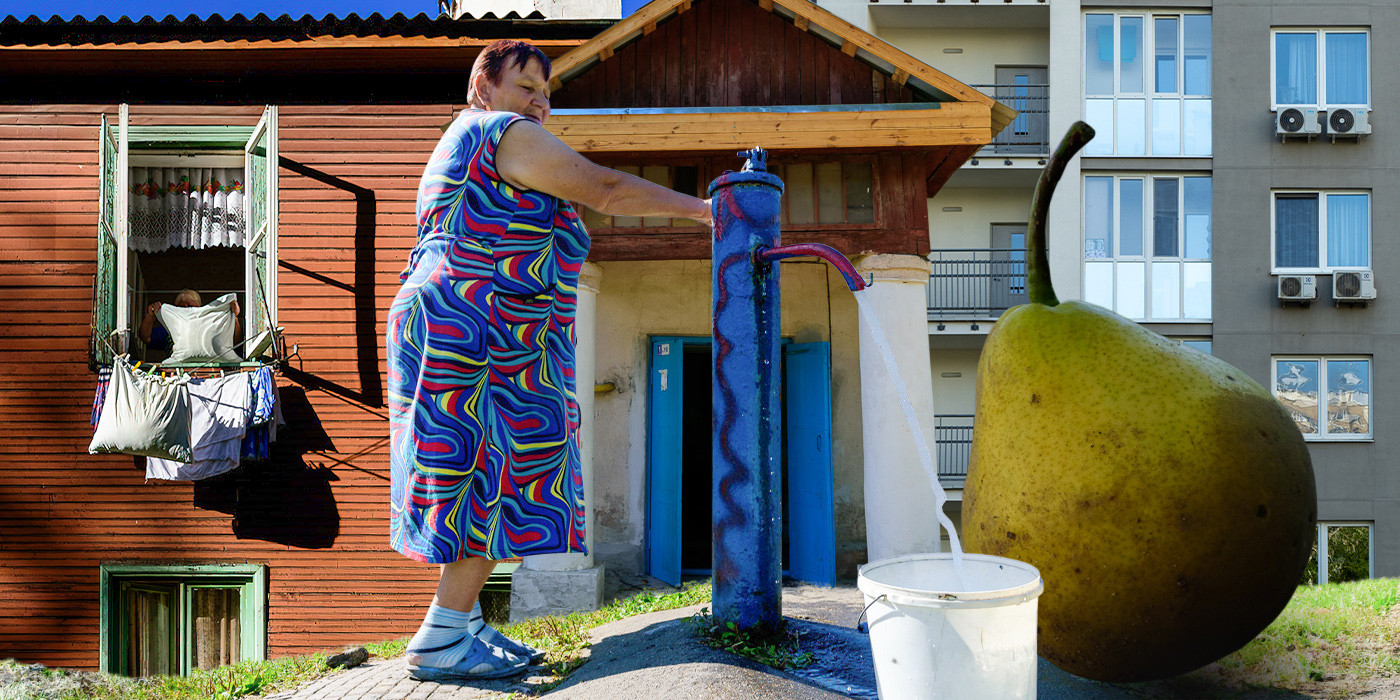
[657, 657]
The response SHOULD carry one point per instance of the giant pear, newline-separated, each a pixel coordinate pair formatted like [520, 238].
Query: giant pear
[1166, 497]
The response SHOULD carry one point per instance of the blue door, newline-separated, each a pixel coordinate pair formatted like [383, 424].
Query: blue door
[807, 449]
[811, 532]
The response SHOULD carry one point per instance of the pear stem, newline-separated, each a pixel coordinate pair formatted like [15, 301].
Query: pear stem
[1038, 270]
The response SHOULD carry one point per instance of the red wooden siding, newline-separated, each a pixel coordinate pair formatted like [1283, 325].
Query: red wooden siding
[728, 53]
[317, 514]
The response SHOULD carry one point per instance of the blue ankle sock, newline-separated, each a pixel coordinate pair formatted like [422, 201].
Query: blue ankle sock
[477, 621]
[444, 639]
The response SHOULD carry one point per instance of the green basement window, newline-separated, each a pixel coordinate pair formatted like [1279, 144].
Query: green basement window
[169, 620]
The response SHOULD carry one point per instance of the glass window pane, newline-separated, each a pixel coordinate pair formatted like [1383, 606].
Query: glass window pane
[1166, 127]
[860, 198]
[1130, 54]
[215, 613]
[1099, 114]
[1166, 290]
[1165, 217]
[831, 204]
[1196, 59]
[1295, 68]
[1129, 217]
[1098, 284]
[1202, 345]
[1348, 230]
[1131, 292]
[1196, 131]
[1295, 230]
[1098, 54]
[1197, 205]
[797, 187]
[149, 643]
[1295, 385]
[1098, 217]
[1349, 396]
[1195, 286]
[1164, 67]
[628, 221]
[1347, 69]
[1348, 553]
[1132, 127]
[661, 175]
[592, 219]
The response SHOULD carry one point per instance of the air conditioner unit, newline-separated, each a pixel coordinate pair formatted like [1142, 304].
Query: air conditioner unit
[1296, 122]
[1347, 121]
[1353, 286]
[1297, 288]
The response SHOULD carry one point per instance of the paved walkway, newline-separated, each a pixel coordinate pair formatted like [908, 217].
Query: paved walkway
[657, 657]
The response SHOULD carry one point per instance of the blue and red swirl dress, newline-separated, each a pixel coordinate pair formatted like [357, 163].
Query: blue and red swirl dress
[483, 416]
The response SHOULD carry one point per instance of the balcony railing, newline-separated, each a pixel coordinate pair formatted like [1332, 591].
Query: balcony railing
[1029, 133]
[975, 283]
[952, 436]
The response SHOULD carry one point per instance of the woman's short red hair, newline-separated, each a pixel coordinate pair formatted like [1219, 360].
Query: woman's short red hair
[493, 60]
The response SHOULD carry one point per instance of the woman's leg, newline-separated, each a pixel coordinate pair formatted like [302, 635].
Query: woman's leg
[460, 583]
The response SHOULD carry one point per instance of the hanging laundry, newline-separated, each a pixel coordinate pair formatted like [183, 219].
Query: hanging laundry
[266, 416]
[144, 414]
[220, 410]
[104, 377]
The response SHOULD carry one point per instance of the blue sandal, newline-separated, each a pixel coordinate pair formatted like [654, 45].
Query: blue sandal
[483, 661]
[492, 636]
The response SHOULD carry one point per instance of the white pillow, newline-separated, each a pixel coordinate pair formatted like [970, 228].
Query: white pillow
[201, 334]
[144, 415]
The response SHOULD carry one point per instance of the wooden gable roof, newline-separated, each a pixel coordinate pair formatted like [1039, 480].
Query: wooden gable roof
[720, 74]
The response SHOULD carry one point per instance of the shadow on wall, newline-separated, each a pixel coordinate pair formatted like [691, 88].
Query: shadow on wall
[285, 499]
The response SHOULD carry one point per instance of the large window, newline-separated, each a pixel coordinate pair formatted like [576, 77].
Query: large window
[1343, 552]
[1329, 398]
[171, 620]
[1322, 67]
[1321, 231]
[1147, 84]
[1147, 245]
[184, 207]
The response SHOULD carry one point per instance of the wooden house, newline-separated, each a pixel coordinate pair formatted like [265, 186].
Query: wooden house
[333, 120]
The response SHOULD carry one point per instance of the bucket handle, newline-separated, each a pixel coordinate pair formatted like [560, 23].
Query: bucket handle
[860, 621]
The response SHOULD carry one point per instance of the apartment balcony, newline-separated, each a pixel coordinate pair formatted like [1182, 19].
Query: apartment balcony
[1028, 135]
[952, 436]
[975, 284]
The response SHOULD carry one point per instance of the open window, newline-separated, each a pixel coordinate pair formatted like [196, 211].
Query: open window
[185, 207]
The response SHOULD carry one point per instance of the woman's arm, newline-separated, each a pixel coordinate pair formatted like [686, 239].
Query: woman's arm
[148, 323]
[531, 158]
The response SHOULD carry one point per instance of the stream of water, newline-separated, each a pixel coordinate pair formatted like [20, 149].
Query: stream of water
[867, 316]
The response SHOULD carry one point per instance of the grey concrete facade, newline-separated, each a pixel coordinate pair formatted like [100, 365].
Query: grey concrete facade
[1356, 481]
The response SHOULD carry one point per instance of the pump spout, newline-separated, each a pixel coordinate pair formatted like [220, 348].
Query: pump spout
[816, 250]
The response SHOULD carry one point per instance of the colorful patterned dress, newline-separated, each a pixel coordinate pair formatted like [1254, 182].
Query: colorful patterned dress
[483, 420]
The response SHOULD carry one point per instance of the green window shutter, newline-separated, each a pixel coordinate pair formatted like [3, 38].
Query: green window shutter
[104, 297]
[190, 137]
[260, 198]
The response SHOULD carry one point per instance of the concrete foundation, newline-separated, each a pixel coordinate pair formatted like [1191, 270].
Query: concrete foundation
[536, 593]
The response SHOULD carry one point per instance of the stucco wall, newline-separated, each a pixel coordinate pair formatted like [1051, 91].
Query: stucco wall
[982, 49]
[638, 300]
[981, 207]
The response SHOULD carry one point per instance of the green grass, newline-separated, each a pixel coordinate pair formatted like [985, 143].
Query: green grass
[779, 648]
[1333, 632]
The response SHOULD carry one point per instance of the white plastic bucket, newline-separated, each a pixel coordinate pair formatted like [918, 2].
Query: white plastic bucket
[932, 639]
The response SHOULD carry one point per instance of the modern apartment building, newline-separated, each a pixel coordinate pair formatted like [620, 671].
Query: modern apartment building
[1229, 201]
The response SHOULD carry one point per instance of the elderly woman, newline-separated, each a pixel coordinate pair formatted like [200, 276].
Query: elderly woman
[482, 412]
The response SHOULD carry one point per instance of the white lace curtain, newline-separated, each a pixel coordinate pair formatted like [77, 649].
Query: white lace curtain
[186, 208]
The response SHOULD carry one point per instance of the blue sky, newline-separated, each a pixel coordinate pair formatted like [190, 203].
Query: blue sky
[135, 9]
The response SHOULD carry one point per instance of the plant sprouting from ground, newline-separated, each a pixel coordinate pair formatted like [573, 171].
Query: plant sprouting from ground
[780, 649]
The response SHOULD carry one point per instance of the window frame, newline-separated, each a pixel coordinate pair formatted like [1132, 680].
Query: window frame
[114, 316]
[1147, 257]
[1323, 267]
[1322, 435]
[252, 579]
[1149, 95]
[1320, 80]
[1321, 542]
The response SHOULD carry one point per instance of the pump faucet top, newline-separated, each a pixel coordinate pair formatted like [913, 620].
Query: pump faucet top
[757, 159]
